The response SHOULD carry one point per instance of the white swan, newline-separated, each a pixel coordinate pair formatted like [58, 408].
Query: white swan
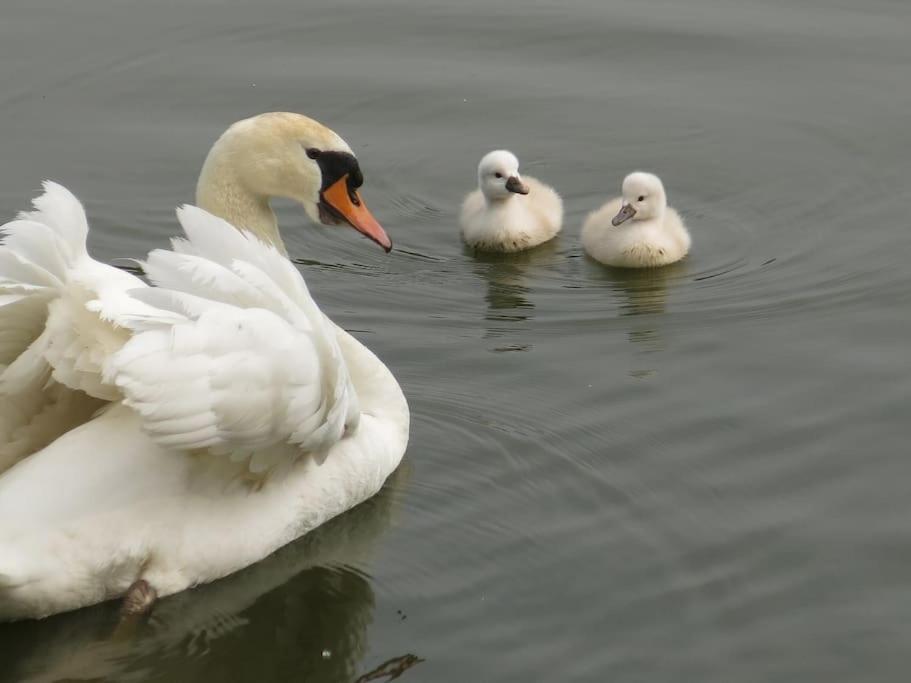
[637, 230]
[52, 345]
[508, 213]
[241, 417]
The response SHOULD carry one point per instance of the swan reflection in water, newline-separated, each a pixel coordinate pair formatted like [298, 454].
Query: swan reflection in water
[300, 614]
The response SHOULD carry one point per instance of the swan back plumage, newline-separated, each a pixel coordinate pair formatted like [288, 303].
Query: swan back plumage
[233, 356]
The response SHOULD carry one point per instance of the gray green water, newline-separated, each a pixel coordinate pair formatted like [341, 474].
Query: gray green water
[695, 474]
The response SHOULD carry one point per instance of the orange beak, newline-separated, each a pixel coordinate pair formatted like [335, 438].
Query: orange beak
[351, 207]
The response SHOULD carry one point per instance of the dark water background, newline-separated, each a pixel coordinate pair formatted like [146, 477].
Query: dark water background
[694, 474]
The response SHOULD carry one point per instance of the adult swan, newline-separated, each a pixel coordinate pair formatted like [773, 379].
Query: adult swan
[213, 417]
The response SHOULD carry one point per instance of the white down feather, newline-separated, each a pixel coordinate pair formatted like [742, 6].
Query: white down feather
[251, 368]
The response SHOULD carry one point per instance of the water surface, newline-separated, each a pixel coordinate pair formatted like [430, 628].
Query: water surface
[694, 474]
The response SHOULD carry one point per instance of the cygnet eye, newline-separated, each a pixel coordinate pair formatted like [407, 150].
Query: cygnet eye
[498, 175]
[641, 197]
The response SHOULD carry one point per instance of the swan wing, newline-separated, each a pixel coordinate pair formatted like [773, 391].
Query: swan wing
[250, 369]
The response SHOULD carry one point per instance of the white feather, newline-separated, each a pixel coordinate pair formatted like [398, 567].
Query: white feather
[54, 332]
[235, 356]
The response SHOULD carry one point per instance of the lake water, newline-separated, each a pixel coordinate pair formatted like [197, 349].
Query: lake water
[694, 474]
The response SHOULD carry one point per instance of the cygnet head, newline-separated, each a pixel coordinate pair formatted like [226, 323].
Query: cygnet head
[643, 198]
[498, 176]
[281, 154]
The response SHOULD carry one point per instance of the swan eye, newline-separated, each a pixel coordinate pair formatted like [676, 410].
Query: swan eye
[313, 152]
[641, 197]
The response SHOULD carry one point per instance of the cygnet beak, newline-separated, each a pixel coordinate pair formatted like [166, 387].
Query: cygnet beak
[513, 184]
[624, 214]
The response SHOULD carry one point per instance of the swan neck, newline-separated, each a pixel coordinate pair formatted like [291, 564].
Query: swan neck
[221, 192]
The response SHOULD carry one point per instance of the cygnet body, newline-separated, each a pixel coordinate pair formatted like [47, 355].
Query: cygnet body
[507, 212]
[638, 229]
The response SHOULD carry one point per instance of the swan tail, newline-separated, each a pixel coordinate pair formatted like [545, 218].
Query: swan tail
[45, 327]
[37, 253]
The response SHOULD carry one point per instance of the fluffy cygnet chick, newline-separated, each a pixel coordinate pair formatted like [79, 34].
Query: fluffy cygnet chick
[508, 212]
[637, 230]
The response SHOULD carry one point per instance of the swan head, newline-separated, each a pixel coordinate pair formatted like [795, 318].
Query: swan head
[288, 155]
[498, 175]
[643, 198]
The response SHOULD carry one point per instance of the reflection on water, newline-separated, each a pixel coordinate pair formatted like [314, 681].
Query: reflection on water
[305, 609]
[508, 296]
[644, 291]
[642, 295]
